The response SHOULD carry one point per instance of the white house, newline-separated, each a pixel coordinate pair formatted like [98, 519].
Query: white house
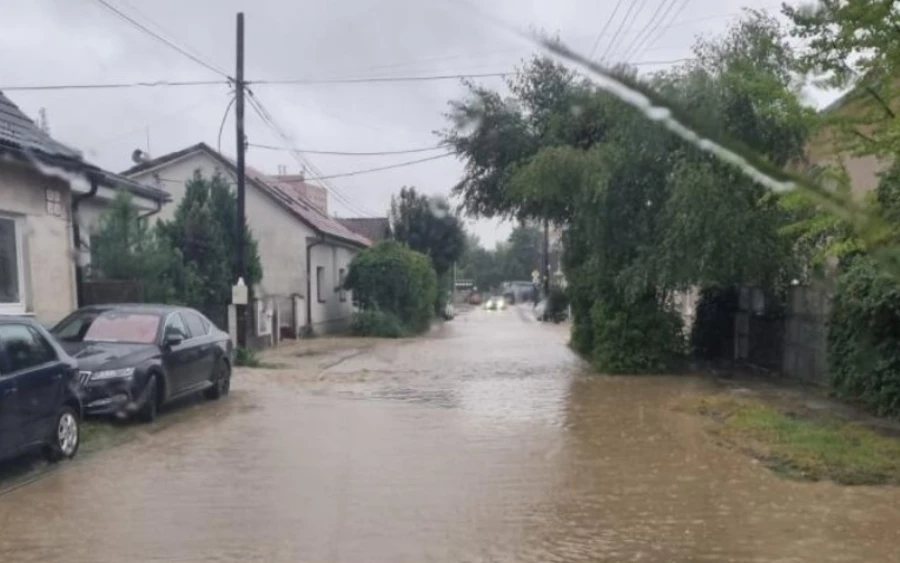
[46, 190]
[304, 253]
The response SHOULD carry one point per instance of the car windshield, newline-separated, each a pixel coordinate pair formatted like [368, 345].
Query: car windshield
[109, 326]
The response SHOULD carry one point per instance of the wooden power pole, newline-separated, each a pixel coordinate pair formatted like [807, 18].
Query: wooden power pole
[241, 310]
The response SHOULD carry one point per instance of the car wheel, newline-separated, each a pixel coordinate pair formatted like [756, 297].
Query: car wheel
[151, 406]
[66, 438]
[222, 384]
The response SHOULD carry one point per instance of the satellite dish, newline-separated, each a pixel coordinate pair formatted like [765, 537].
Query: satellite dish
[138, 156]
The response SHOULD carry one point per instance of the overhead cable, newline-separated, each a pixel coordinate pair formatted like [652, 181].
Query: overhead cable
[160, 38]
[350, 153]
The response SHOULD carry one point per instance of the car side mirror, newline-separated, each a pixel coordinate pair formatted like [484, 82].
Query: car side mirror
[173, 340]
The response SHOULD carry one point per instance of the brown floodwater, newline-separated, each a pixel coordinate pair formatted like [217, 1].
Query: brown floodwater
[485, 442]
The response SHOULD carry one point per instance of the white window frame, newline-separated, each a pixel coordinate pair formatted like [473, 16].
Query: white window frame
[17, 308]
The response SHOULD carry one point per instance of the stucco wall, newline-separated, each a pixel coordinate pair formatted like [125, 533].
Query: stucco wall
[46, 240]
[332, 313]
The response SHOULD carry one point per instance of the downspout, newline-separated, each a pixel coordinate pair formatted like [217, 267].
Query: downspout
[152, 212]
[309, 246]
[76, 235]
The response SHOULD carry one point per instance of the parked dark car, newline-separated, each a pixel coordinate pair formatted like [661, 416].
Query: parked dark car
[39, 404]
[133, 359]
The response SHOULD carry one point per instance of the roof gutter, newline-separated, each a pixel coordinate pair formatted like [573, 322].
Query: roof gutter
[309, 247]
[159, 204]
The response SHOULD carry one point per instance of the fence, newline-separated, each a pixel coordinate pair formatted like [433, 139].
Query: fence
[789, 337]
[806, 333]
[98, 292]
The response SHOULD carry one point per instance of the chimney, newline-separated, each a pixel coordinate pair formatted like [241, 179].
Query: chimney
[314, 195]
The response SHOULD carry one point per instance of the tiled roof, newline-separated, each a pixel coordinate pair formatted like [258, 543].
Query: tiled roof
[310, 214]
[373, 228]
[282, 193]
[18, 131]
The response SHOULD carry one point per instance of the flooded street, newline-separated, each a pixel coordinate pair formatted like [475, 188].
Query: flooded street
[487, 441]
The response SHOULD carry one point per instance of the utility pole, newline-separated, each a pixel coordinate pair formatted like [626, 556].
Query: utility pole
[241, 310]
[546, 265]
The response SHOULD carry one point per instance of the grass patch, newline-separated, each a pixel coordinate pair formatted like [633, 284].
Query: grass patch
[248, 358]
[804, 447]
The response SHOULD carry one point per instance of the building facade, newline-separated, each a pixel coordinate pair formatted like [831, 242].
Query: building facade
[288, 230]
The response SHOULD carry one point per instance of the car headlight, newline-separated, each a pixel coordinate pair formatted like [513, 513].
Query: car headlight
[121, 373]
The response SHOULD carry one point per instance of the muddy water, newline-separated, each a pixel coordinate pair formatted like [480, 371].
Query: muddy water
[486, 443]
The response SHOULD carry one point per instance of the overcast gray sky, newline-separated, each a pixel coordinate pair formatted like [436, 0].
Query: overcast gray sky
[80, 41]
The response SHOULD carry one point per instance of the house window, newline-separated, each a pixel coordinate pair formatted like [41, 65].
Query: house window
[320, 284]
[342, 293]
[54, 202]
[12, 298]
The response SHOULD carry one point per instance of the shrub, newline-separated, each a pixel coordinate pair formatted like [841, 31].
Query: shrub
[635, 337]
[864, 337]
[247, 357]
[391, 278]
[376, 323]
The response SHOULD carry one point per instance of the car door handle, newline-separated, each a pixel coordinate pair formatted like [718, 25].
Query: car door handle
[10, 391]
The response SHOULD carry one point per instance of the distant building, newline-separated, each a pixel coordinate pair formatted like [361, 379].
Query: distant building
[823, 148]
[287, 227]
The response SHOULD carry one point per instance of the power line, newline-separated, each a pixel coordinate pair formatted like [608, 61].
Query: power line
[112, 85]
[222, 125]
[269, 120]
[350, 153]
[160, 38]
[388, 167]
[618, 31]
[677, 13]
[300, 81]
[605, 28]
[376, 79]
[639, 38]
[625, 23]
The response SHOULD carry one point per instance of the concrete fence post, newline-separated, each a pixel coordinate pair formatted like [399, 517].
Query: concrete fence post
[232, 324]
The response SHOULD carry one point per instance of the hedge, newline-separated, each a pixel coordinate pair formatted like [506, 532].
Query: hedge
[397, 281]
[864, 337]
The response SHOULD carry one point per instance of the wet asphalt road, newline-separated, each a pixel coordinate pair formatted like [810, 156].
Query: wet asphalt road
[487, 442]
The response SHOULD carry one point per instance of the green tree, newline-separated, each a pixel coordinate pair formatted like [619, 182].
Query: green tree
[126, 248]
[855, 43]
[644, 212]
[496, 133]
[428, 225]
[523, 252]
[204, 275]
[223, 204]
